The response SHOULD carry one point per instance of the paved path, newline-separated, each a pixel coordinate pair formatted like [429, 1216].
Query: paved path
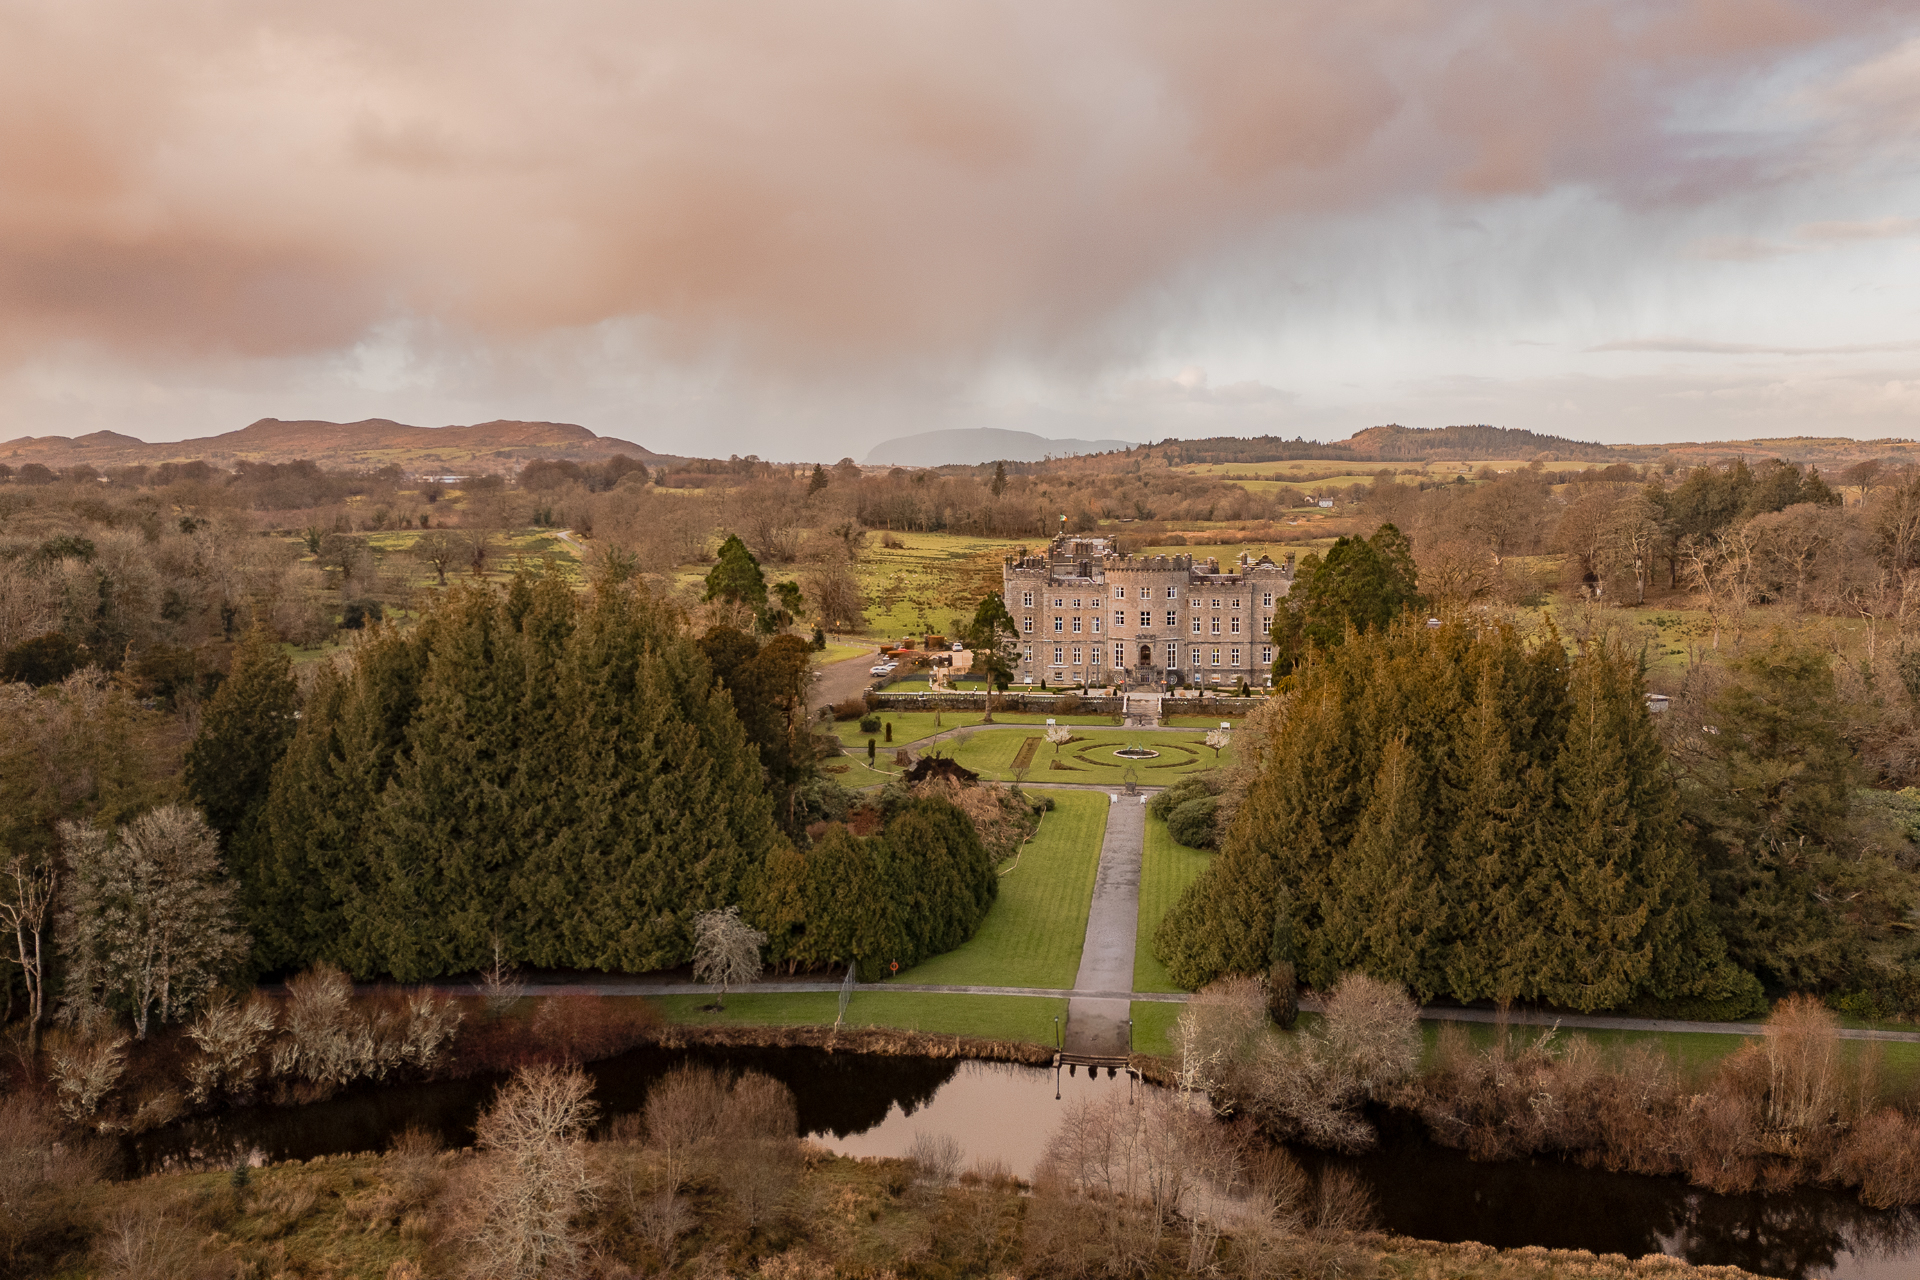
[1098, 1010]
[838, 681]
[1096, 994]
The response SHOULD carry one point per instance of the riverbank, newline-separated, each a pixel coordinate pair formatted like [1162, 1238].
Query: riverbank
[805, 1214]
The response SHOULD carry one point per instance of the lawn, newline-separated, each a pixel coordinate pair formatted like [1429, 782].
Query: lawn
[1089, 759]
[1208, 722]
[1023, 1018]
[1033, 933]
[1166, 869]
[1153, 1025]
[911, 726]
[838, 653]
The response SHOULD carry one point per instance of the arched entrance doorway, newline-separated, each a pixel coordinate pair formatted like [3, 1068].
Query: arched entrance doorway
[1146, 655]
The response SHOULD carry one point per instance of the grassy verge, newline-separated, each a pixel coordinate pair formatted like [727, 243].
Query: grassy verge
[1166, 869]
[1153, 1026]
[1023, 1018]
[838, 653]
[1033, 934]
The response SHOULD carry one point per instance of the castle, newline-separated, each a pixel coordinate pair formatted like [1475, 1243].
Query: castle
[1090, 615]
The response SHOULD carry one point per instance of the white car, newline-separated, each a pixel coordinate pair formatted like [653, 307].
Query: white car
[880, 670]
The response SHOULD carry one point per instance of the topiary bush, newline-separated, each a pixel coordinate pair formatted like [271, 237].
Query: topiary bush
[1191, 822]
[869, 724]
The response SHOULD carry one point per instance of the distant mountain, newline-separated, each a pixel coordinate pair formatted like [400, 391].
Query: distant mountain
[487, 446]
[974, 446]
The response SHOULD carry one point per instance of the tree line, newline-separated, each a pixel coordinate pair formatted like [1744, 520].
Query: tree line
[1468, 815]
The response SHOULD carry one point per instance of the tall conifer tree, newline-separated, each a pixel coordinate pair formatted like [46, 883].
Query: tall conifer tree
[229, 768]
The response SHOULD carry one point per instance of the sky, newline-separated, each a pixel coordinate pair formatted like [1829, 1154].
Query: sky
[798, 229]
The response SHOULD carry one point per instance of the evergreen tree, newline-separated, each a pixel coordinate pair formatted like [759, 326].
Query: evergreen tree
[736, 577]
[1769, 790]
[1362, 585]
[1456, 812]
[998, 485]
[325, 792]
[817, 481]
[229, 768]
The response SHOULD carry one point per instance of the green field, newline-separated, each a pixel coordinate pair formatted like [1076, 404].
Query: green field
[1166, 869]
[1023, 1018]
[1033, 933]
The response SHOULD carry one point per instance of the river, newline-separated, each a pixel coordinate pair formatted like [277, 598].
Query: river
[866, 1105]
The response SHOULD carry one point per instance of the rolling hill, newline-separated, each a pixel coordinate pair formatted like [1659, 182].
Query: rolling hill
[487, 446]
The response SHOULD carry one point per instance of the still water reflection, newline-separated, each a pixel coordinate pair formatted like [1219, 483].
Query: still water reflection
[874, 1106]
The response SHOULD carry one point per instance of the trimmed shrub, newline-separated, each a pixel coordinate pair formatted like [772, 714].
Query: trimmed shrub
[1191, 822]
[850, 709]
[870, 724]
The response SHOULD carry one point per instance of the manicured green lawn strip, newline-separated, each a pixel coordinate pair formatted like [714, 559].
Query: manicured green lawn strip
[1166, 869]
[1209, 722]
[1033, 934]
[1153, 1026]
[1022, 1018]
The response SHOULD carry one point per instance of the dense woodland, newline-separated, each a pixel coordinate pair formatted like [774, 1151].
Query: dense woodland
[142, 615]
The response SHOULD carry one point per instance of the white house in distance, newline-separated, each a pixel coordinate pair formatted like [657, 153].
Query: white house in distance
[1089, 615]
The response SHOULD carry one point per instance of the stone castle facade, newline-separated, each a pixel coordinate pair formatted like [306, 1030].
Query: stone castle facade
[1089, 615]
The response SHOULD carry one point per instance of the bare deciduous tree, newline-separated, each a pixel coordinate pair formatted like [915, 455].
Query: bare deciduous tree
[500, 985]
[726, 951]
[1314, 1082]
[149, 920]
[26, 898]
[534, 1179]
[229, 1034]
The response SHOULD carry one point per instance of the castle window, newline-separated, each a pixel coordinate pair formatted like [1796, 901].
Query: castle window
[1266, 623]
[1216, 604]
[1266, 600]
[1216, 657]
[1119, 655]
[1119, 593]
[1026, 625]
[1096, 655]
[1195, 654]
[1173, 656]
[1173, 593]
[1076, 655]
[1119, 617]
[1026, 599]
[1173, 619]
[1216, 626]
[1146, 617]
[1058, 603]
[1096, 624]
[1056, 655]
[1076, 626]
[1266, 656]
[1076, 603]
[1236, 657]
[1059, 625]
[1196, 624]
[1236, 625]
